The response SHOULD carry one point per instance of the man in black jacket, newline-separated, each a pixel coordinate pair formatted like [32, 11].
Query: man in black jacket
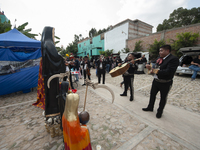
[86, 68]
[129, 76]
[163, 78]
[76, 67]
[101, 68]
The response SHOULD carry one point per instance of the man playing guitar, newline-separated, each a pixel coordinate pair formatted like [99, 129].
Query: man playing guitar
[163, 78]
[129, 76]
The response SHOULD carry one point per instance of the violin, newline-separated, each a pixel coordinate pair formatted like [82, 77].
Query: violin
[88, 72]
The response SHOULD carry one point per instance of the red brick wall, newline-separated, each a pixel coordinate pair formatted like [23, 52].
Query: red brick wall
[168, 34]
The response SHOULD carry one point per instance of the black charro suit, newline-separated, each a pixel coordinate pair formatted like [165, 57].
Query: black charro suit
[164, 82]
[101, 69]
[84, 69]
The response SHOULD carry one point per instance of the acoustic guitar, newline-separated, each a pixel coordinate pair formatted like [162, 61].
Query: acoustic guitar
[119, 70]
[155, 71]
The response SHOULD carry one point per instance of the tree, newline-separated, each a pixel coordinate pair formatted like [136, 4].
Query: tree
[5, 27]
[154, 48]
[106, 53]
[101, 31]
[102, 53]
[63, 52]
[138, 46]
[125, 50]
[92, 32]
[180, 17]
[186, 39]
[72, 47]
[26, 32]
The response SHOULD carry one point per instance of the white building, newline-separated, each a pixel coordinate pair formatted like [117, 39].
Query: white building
[116, 37]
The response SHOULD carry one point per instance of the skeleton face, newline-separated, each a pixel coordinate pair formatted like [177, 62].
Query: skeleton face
[53, 34]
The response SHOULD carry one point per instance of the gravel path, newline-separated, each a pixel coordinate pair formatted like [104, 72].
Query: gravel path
[22, 125]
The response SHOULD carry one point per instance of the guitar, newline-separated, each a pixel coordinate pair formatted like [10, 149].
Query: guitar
[119, 70]
[155, 70]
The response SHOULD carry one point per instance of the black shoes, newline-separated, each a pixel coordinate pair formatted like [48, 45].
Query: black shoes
[159, 115]
[131, 98]
[147, 109]
[123, 94]
[83, 84]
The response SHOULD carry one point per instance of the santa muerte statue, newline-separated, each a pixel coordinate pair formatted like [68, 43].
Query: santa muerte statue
[48, 98]
[60, 104]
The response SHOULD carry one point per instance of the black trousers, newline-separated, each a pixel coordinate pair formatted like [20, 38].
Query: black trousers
[101, 72]
[85, 73]
[128, 82]
[70, 78]
[164, 89]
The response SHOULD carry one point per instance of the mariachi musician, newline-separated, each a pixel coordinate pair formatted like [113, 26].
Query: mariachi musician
[129, 76]
[101, 68]
[69, 64]
[163, 78]
[86, 68]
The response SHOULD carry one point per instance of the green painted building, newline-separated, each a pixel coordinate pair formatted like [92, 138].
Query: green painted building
[3, 17]
[91, 46]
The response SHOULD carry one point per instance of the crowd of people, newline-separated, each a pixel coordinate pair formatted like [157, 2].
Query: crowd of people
[163, 70]
[83, 65]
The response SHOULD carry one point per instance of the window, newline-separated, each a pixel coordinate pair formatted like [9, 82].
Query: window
[102, 36]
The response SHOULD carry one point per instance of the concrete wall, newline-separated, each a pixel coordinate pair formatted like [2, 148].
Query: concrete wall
[166, 35]
[116, 38]
[139, 29]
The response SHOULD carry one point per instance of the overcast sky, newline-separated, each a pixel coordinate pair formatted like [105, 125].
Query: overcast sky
[70, 17]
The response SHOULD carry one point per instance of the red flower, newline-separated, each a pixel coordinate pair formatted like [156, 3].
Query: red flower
[73, 90]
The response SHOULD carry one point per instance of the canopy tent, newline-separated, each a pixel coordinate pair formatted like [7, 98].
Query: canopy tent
[15, 40]
[7, 54]
[15, 46]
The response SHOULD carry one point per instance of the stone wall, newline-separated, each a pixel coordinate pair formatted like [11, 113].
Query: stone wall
[166, 35]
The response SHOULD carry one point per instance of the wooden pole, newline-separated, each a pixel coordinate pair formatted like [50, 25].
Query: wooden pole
[69, 81]
[85, 98]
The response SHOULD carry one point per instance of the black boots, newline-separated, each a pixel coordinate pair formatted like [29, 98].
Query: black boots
[147, 109]
[159, 114]
[131, 98]
[124, 94]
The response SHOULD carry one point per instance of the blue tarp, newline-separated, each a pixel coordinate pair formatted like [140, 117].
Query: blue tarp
[16, 39]
[8, 55]
[23, 80]
[14, 47]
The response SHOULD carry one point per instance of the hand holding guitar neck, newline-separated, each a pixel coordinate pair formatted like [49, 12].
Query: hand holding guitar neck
[132, 61]
[151, 70]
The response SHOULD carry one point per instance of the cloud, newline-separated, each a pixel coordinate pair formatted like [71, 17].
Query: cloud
[70, 17]
[151, 12]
